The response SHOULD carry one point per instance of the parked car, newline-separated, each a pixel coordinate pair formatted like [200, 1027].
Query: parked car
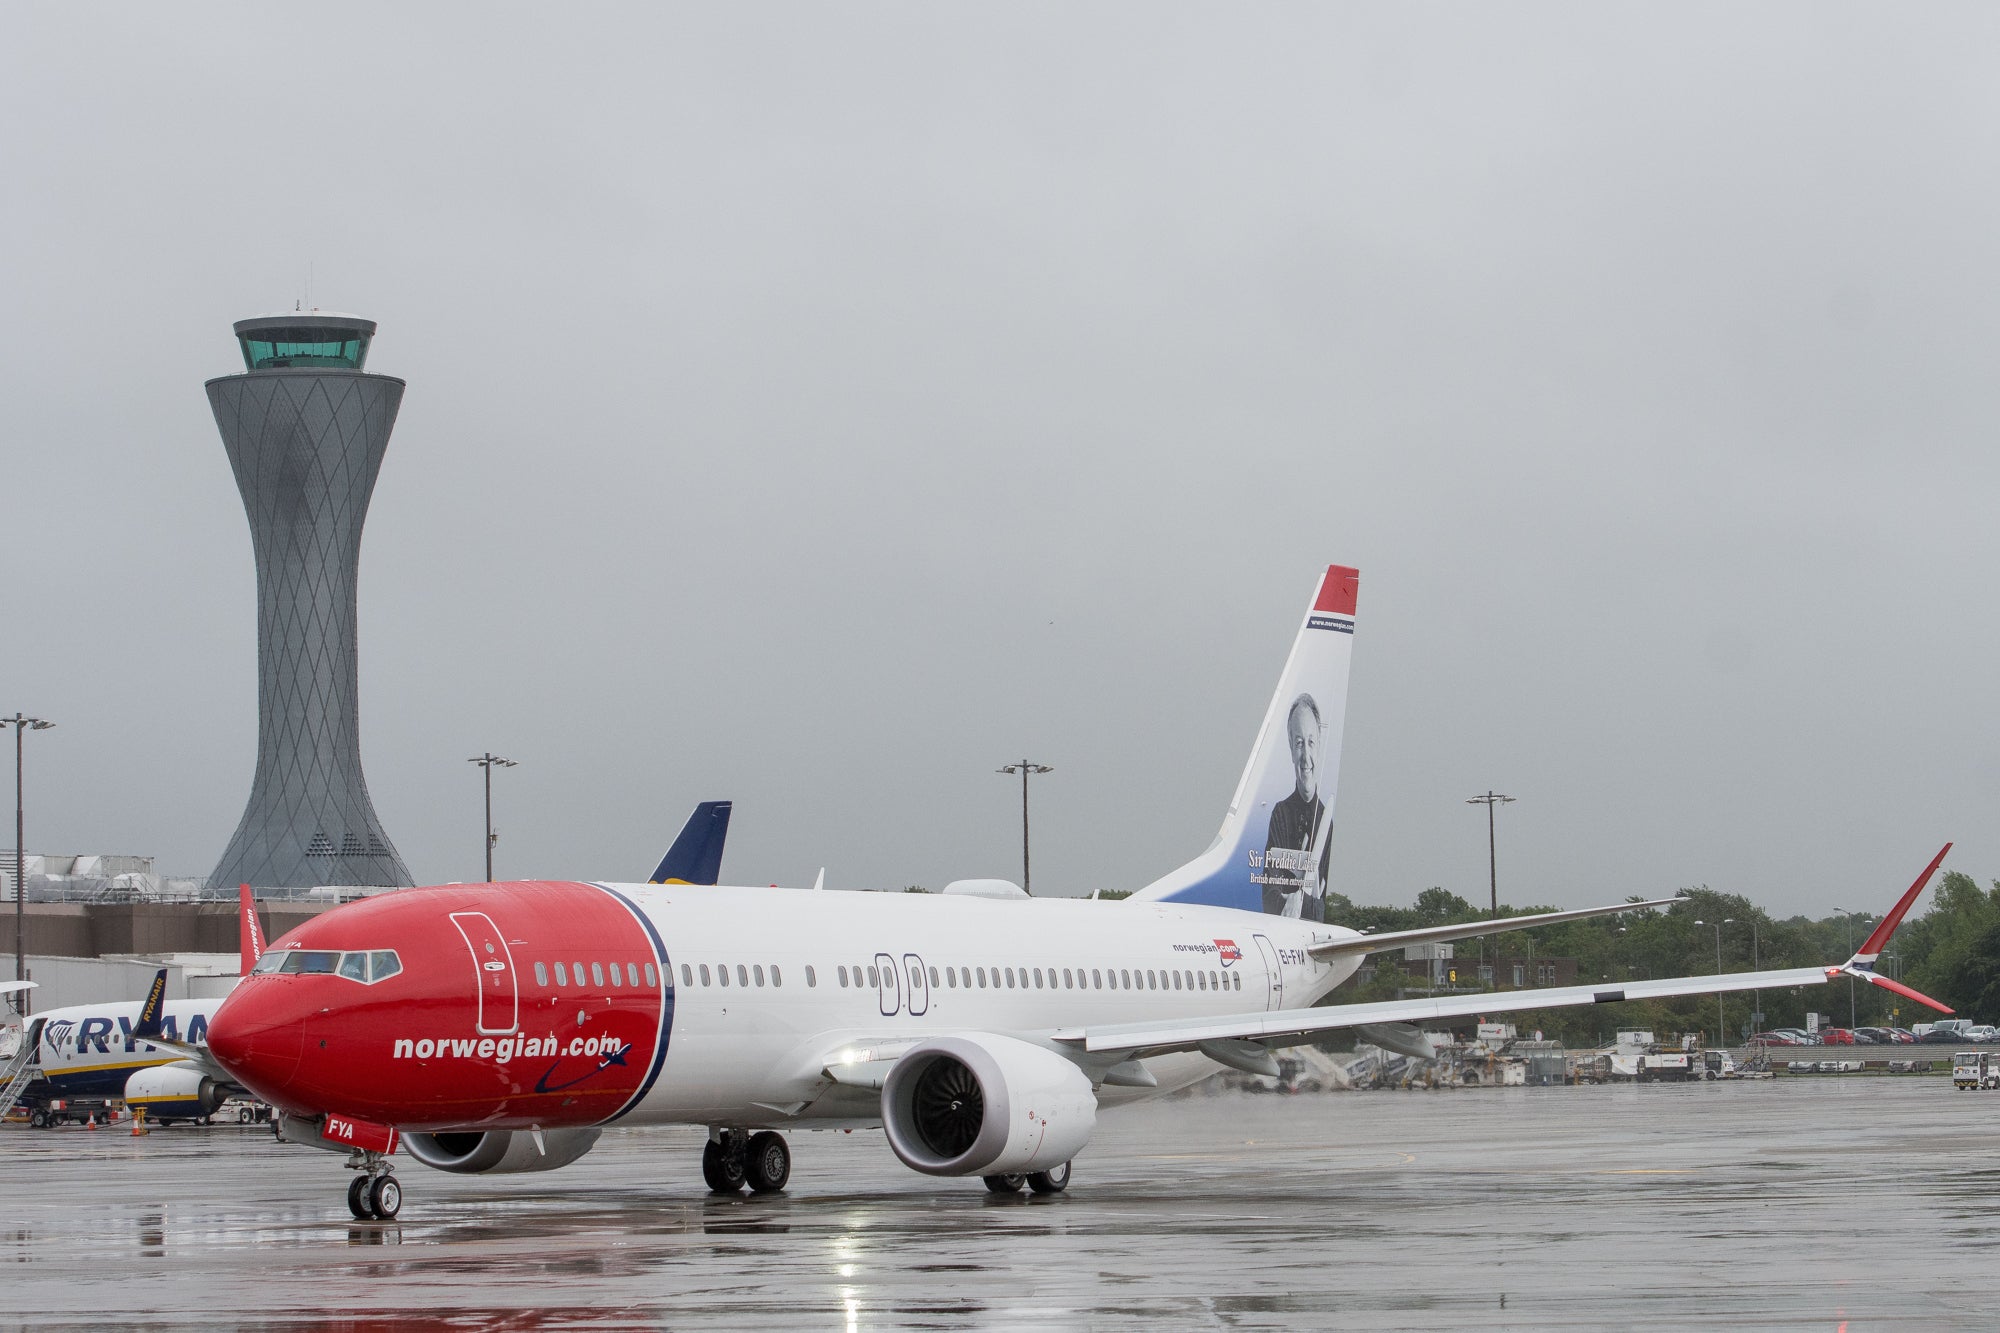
[1903, 1036]
[1941, 1037]
[1775, 1038]
[1800, 1036]
[1874, 1036]
[1836, 1037]
[1984, 1032]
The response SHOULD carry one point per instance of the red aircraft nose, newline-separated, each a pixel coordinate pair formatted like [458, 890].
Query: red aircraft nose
[257, 1037]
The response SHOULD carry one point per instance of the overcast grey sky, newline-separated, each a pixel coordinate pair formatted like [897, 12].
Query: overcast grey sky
[820, 406]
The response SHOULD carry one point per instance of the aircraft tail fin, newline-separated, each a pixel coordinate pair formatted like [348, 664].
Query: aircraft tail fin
[250, 932]
[696, 856]
[1272, 854]
[147, 1024]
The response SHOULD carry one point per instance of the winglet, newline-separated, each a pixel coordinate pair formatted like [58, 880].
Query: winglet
[148, 1023]
[696, 856]
[1863, 963]
[250, 934]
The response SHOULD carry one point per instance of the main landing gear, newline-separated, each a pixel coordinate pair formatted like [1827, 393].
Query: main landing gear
[374, 1195]
[1041, 1182]
[733, 1158]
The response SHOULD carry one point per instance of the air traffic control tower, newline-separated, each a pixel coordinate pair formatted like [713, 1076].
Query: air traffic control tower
[306, 429]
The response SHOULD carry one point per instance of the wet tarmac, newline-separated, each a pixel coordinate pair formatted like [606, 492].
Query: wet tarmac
[1856, 1202]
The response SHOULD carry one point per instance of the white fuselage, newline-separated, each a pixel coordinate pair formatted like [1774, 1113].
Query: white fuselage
[918, 965]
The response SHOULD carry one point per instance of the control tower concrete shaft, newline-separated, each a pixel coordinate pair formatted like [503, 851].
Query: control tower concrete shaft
[306, 430]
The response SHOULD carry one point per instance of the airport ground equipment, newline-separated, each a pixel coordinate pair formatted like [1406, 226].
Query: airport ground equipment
[22, 1069]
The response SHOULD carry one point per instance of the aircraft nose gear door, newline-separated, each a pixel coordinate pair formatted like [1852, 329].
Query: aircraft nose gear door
[1275, 999]
[493, 963]
[920, 986]
[890, 990]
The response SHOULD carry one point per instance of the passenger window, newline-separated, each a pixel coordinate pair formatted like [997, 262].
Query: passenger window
[722, 974]
[687, 975]
[842, 971]
[811, 980]
[758, 972]
[1067, 983]
[1096, 979]
[704, 974]
[951, 978]
[1038, 978]
[776, 980]
[743, 975]
[578, 969]
[1010, 978]
[562, 975]
[982, 978]
[354, 966]
[653, 978]
[596, 974]
[875, 977]
[541, 975]
[934, 977]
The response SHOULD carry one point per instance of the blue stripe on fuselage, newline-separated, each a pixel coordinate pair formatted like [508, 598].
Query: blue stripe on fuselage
[666, 1003]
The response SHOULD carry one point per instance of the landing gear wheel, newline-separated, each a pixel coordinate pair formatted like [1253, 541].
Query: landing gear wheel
[1050, 1182]
[1005, 1184]
[722, 1169]
[385, 1197]
[357, 1198]
[768, 1164]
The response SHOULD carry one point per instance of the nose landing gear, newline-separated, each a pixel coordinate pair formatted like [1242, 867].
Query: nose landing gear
[374, 1195]
[733, 1158]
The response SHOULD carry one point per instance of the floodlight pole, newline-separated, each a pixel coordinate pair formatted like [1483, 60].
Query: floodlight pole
[22, 724]
[487, 762]
[1024, 768]
[1489, 800]
[1852, 1012]
[1721, 1036]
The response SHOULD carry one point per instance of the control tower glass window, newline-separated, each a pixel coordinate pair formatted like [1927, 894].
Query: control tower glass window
[305, 349]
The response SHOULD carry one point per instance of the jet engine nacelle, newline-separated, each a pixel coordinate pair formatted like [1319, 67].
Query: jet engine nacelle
[499, 1152]
[167, 1092]
[981, 1105]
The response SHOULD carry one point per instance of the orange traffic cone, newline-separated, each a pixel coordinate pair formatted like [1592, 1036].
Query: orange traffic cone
[138, 1122]
[90, 1122]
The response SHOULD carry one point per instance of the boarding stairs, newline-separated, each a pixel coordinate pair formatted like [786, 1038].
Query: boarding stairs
[17, 1073]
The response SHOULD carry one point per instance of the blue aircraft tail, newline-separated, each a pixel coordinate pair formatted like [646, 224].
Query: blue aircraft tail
[696, 856]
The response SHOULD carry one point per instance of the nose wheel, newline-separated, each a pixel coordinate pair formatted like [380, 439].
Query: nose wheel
[374, 1195]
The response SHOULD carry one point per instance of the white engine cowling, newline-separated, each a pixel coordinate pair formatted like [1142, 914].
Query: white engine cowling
[981, 1105]
[167, 1091]
[499, 1152]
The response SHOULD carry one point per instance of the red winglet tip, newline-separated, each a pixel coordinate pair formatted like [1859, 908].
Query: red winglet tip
[1878, 938]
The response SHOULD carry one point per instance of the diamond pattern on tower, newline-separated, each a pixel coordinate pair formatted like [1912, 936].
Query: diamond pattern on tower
[306, 446]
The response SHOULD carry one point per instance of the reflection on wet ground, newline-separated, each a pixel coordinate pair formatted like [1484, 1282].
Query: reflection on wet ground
[1800, 1203]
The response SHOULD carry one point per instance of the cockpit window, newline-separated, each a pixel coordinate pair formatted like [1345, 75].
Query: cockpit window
[364, 966]
[310, 960]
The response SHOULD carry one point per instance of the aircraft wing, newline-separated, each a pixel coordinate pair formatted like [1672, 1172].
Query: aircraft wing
[1274, 1026]
[1466, 930]
[11, 987]
[1187, 1034]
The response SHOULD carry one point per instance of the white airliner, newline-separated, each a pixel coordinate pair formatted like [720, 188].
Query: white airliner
[504, 1027]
